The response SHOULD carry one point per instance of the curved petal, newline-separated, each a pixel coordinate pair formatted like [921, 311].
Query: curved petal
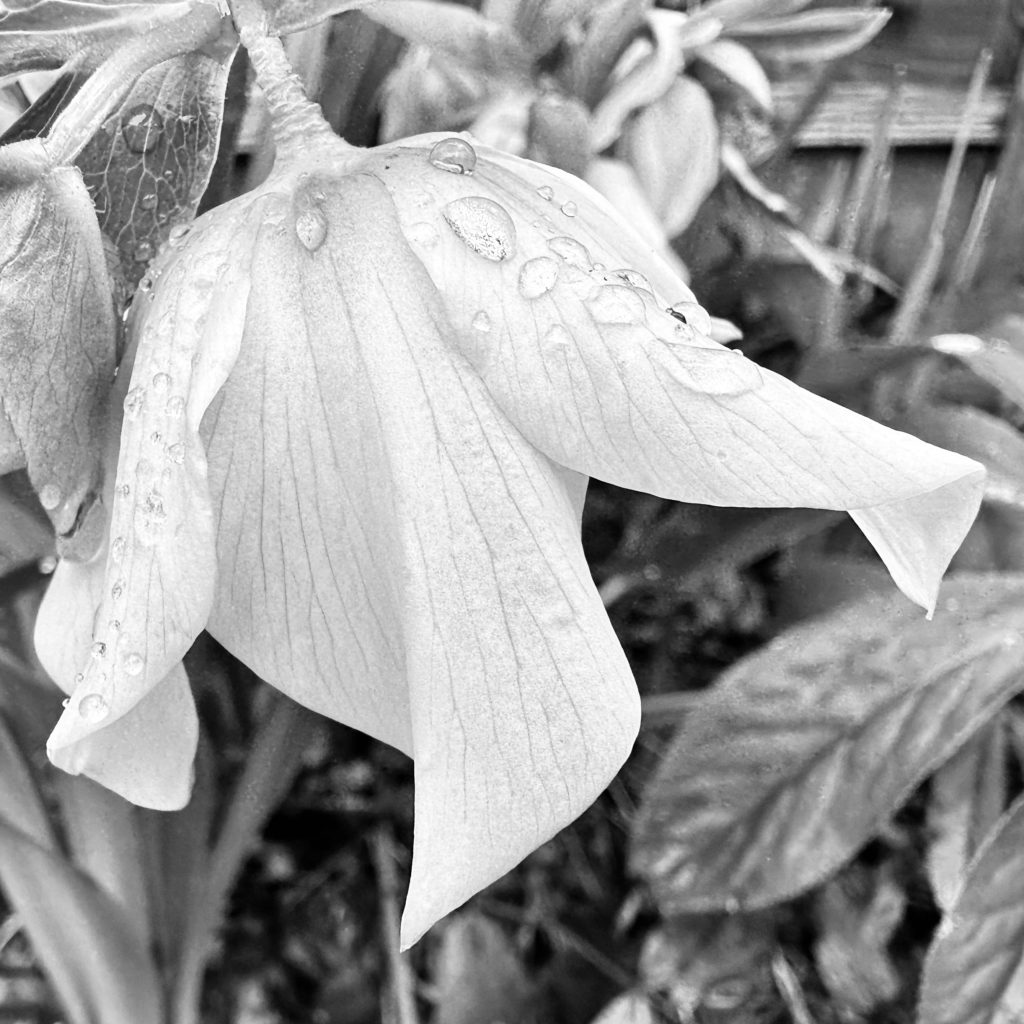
[394, 553]
[144, 756]
[584, 359]
[158, 571]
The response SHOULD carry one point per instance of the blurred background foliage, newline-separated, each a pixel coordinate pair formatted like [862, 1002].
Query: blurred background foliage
[845, 191]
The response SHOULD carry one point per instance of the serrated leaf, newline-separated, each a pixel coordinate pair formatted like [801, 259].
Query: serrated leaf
[147, 167]
[812, 37]
[98, 969]
[974, 973]
[803, 749]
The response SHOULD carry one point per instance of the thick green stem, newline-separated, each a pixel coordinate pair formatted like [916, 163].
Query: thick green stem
[111, 82]
[294, 117]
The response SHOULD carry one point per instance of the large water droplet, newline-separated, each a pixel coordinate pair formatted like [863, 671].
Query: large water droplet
[93, 708]
[134, 663]
[617, 304]
[141, 128]
[633, 278]
[574, 253]
[481, 322]
[49, 496]
[546, 192]
[692, 314]
[423, 234]
[311, 228]
[569, 208]
[133, 403]
[454, 155]
[538, 277]
[483, 225]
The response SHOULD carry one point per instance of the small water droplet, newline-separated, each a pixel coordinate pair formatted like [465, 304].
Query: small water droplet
[311, 228]
[79, 678]
[481, 322]
[141, 128]
[538, 277]
[123, 491]
[692, 314]
[117, 590]
[456, 156]
[65, 702]
[162, 381]
[143, 252]
[146, 285]
[572, 252]
[134, 663]
[633, 278]
[98, 649]
[175, 405]
[133, 403]
[483, 225]
[148, 201]
[150, 517]
[93, 707]
[423, 234]
[169, 174]
[617, 304]
[178, 234]
[114, 625]
[569, 208]
[558, 338]
[176, 453]
[118, 549]
[49, 496]
[546, 192]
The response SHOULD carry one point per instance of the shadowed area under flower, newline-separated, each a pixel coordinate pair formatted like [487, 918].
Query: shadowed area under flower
[364, 404]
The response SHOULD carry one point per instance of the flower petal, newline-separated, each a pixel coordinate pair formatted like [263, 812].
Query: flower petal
[585, 360]
[393, 553]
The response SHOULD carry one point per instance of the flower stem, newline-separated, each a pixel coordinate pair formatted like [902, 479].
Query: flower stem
[293, 116]
[107, 87]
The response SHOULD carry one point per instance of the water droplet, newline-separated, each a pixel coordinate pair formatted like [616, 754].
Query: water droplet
[175, 405]
[117, 590]
[79, 678]
[114, 625]
[633, 278]
[93, 707]
[423, 234]
[454, 155]
[141, 128]
[617, 304]
[65, 702]
[162, 381]
[558, 338]
[150, 517]
[118, 549]
[143, 252]
[482, 322]
[49, 496]
[98, 649]
[483, 225]
[546, 192]
[538, 277]
[569, 208]
[574, 253]
[123, 491]
[311, 228]
[176, 453]
[713, 371]
[134, 663]
[133, 403]
[146, 285]
[178, 234]
[169, 174]
[692, 314]
[148, 201]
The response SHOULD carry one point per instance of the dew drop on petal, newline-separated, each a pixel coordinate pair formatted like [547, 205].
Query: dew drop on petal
[715, 371]
[537, 277]
[133, 403]
[150, 516]
[143, 252]
[98, 649]
[49, 496]
[633, 278]
[118, 549]
[93, 708]
[558, 338]
[176, 453]
[484, 225]
[453, 155]
[175, 405]
[574, 253]
[141, 128]
[692, 314]
[617, 304]
[162, 381]
[117, 590]
[311, 228]
[146, 285]
[123, 491]
[134, 663]
[178, 234]
[481, 322]
[423, 234]
[546, 192]
[65, 702]
[569, 208]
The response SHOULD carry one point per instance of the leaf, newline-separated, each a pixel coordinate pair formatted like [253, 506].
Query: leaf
[147, 167]
[804, 749]
[735, 13]
[996, 359]
[608, 28]
[672, 145]
[98, 969]
[628, 1008]
[559, 133]
[21, 804]
[739, 66]
[541, 24]
[974, 973]
[812, 37]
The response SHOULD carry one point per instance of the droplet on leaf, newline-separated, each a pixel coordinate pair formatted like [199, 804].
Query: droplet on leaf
[311, 228]
[546, 192]
[617, 304]
[141, 128]
[454, 155]
[538, 277]
[49, 496]
[93, 707]
[633, 278]
[148, 201]
[572, 252]
[146, 285]
[423, 234]
[134, 663]
[569, 208]
[481, 322]
[692, 314]
[483, 225]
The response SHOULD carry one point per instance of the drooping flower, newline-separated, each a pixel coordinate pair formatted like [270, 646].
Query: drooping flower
[364, 403]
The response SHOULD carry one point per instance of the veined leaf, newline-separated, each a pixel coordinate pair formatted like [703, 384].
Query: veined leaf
[805, 748]
[974, 973]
